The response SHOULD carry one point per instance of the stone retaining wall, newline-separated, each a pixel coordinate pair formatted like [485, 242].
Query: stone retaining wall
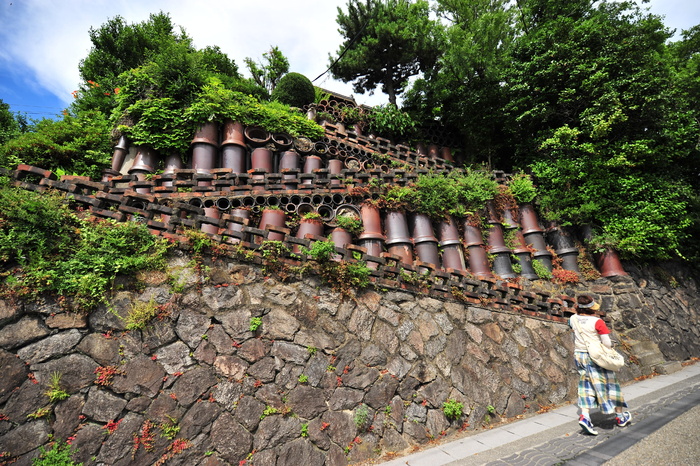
[323, 380]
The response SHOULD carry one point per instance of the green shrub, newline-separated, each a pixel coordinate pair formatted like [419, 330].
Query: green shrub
[295, 90]
[167, 123]
[541, 270]
[77, 145]
[255, 323]
[389, 121]
[64, 254]
[58, 455]
[453, 409]
[55, 392]
[140, 314]
[351, 224]
[455, 194]
[522, 188]
[361, 417]
[322, 251]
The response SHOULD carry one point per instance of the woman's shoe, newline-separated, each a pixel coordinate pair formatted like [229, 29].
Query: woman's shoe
[623, 418]
[587, 425]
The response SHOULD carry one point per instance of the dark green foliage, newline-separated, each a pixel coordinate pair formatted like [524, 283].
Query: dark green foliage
[295, 90]
[9, 127]
[167, 124]
[76, 145]
[58, 455]
[162, 102]
[118, 47]
[390, 122]
[456, 194]
[588, 97]
[522, 188]
[32, 225]
[592, 94]
[385, 42]
[62, 253]
[269, 72]
[463, 91]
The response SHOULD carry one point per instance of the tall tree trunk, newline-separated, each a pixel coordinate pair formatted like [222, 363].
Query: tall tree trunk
[389, 86]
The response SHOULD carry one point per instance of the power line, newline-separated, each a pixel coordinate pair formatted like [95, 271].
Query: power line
[344, 50]
[35, 106]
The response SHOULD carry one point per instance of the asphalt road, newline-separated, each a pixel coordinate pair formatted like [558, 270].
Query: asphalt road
[676, 443]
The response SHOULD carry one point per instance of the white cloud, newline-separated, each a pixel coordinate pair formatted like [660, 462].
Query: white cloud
[678, 14]
[48, 39]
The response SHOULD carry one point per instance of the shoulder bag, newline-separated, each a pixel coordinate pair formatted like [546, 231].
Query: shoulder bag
[605, 357]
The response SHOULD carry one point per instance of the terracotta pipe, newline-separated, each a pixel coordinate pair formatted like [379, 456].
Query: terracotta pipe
[522, 252]
[478, 258]
[223, 204]
[211, 212]
[320, 148]
[326, 212]
[497, 246]
[609, 263]
[424, 240]
[307, 226]
[372, 223]
[398, 240]
[452, 255]
[312, 162]
[433, 151]
[534, 235]
[273, 217]
[289, 160]
[341, 237]
[235, 157]
[564, 246]
[372, 238]
[261, 159]
[145, 163]
[528, 219]
[352, 163]
[282, 141]
[235, 226]
[119, 154]
[446, 154]
[257, 136]
[233, 133]
[204, 149]
[304, 208]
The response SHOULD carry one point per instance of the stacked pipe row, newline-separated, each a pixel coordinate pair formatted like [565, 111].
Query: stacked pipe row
[420, 244]
[435, 135]
[256, 152]
[388, 268]
[240, 177]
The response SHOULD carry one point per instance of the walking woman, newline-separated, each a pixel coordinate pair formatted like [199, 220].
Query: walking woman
[597, 387]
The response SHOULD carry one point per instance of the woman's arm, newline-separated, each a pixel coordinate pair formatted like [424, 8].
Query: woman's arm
[604, 333]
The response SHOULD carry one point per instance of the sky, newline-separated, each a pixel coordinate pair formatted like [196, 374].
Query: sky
[43, 41]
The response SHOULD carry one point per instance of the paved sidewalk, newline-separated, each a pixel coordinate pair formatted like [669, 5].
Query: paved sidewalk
[555, 437]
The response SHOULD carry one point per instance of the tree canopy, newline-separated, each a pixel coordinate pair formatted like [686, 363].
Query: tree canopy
[270, 70]
[592, 98]
[385, 42]
[147, 81]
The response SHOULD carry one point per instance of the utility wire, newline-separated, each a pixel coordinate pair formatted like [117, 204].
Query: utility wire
[344, 50]
[35, 106]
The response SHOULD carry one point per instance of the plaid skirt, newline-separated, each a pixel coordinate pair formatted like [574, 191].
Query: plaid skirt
[597, 386]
